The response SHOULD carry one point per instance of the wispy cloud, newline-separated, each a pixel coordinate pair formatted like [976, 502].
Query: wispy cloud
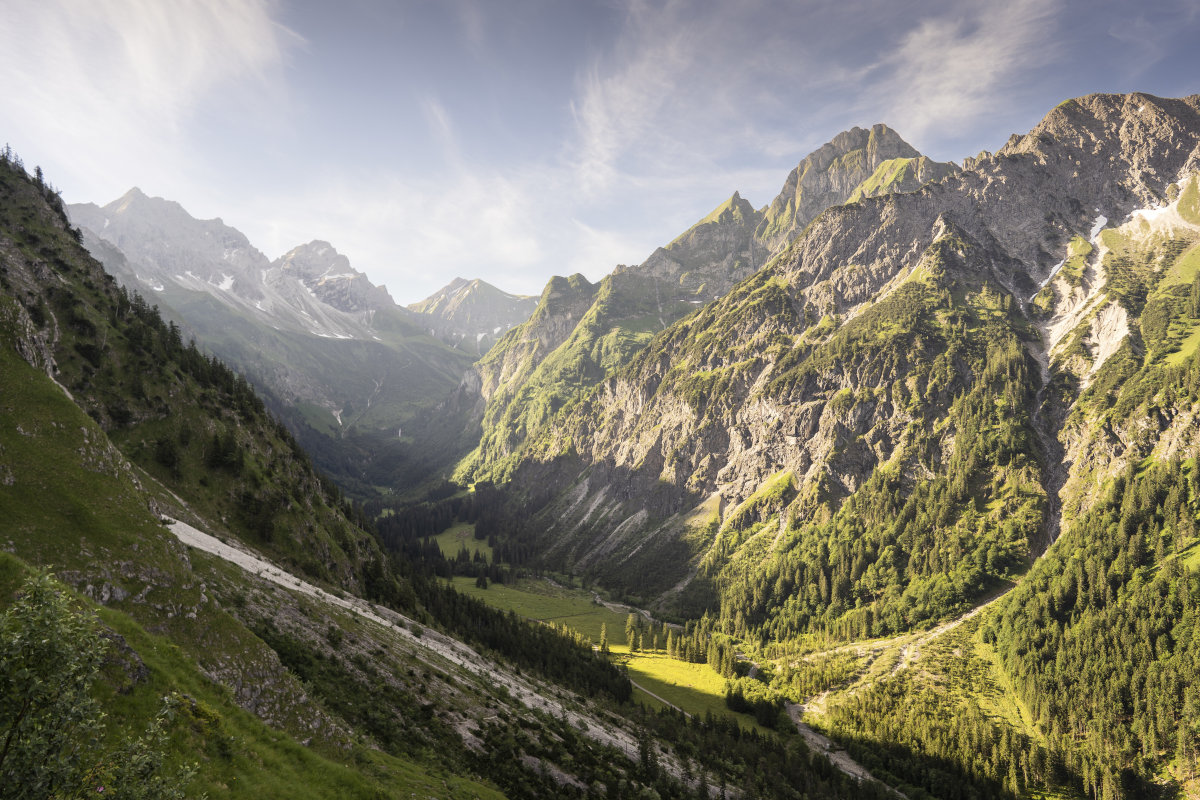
[419, 174]
[442, 130]
[957, 68]
[414, 235]
[116, 82]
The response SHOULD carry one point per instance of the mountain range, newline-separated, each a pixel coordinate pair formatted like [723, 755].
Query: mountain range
[336, 357]
[907, 455]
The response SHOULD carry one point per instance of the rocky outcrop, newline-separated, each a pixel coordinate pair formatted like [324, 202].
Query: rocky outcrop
[473, 315]
[331, 279]
[829, 176]
[769, 377]
[700, 266]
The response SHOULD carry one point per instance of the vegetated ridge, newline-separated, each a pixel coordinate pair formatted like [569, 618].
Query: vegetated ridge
[888, 422]
[582, 332]
[111, 423]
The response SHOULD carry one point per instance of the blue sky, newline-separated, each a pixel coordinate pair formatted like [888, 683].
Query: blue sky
[514, 140]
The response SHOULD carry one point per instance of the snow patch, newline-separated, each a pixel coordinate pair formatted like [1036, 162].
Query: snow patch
[1153, 214]
[226, 282]
[479, 337]
[1097, 226]
[497, 329]
[1053, 271]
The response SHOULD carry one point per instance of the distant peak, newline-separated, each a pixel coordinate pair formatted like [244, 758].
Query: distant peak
[134, 195]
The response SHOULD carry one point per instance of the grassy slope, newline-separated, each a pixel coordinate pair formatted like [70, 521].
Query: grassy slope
[165, 405]
[99, 529]
[694, 688]
[538, 600]
[452, 540]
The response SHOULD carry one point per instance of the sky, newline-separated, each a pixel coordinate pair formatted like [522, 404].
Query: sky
[513, 140]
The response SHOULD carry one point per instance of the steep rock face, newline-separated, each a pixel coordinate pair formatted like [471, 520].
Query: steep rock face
[312, 289]
[498, 378]
[828, 176]
[473, 315]
[850, 357]
[562, 304]
[164, 241]
[711, 256]
[329, 276]
[701, 265]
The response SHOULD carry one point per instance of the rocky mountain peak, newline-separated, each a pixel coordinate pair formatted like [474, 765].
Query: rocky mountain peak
[329, 276]
[833, 173]
[471, 315]
[167, 244]
[315, 259]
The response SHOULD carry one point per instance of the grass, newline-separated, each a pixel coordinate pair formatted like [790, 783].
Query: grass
[70, 507]
[1189, 200]
[239, 756]
[694, 688]
[544, 602]
[772, 493]
[887, 173]
[1190, 555]
[452, 540]
[318, 418]
[1187, 348]
[45, 437]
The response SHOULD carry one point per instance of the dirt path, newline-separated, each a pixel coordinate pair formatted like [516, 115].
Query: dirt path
[660, 698]
[824, 745]
[911, 652]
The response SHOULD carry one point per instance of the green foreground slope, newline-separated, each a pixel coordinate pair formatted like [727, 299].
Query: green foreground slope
[72, 505]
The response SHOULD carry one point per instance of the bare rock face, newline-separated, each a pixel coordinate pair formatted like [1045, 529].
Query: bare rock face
[700, 266]
[329, 276]
[473, 315]
[156, 247]
[829, 176]
[797, 370]
[166, 242]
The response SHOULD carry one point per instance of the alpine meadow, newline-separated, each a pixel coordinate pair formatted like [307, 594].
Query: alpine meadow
[888, 487]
